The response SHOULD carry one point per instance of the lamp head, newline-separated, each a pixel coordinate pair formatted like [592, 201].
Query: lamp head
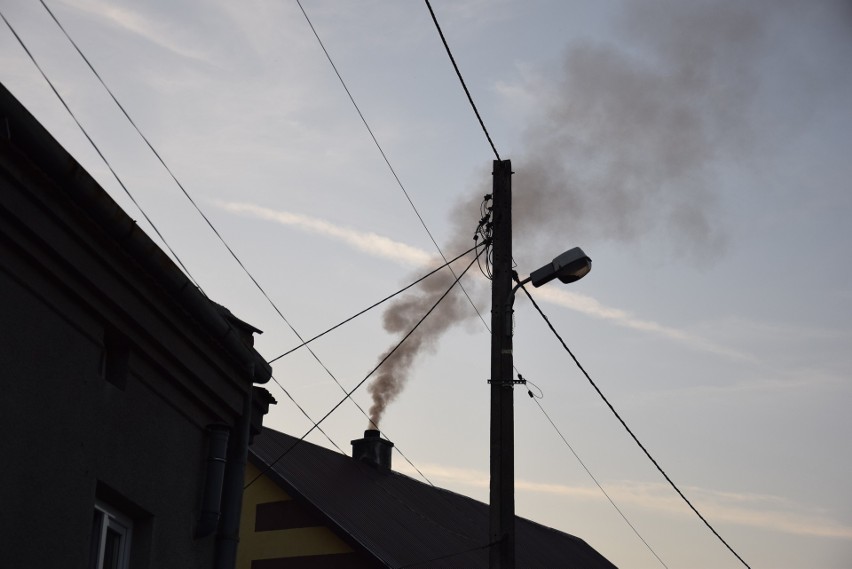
[570, 266]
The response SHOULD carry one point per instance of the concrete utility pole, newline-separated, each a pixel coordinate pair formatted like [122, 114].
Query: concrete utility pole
[502, 510]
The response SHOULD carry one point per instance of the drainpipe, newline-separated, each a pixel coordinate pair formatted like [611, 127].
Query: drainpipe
[232, 493]
[214, 480]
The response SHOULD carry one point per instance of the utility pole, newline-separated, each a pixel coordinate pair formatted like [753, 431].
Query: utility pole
[502, 510]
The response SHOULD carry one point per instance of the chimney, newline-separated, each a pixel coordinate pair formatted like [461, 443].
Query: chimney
[373, 449]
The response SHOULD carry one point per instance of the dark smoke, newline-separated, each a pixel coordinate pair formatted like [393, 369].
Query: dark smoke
[625, 144]
[622, 144]
[399, 319]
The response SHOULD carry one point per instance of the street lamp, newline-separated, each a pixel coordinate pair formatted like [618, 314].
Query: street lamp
[570, 266]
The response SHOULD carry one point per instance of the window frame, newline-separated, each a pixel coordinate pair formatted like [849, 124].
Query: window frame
[108, 519]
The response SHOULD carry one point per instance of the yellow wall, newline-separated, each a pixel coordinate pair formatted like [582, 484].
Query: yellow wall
[279, 543]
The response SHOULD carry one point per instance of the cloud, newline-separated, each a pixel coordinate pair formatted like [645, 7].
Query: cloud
[160, 33]
[366, 242]
[386, 248]
[761, 511]
[590, 306]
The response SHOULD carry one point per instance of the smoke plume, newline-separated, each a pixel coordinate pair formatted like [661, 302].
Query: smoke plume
[620, 145]
[399, 319]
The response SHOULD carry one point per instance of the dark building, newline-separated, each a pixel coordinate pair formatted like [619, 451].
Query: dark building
[310, 507]
[127, 396]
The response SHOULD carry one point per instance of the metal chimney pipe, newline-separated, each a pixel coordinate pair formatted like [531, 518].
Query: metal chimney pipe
[373, 449]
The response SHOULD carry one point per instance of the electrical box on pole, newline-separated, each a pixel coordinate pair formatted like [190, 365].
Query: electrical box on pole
[502, 492]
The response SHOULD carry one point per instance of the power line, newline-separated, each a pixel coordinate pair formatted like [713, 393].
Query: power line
[398, 181]
[305, 343]
[384, 156]
[340, 450]
[185, 192]
[449, 555]
[231, 251]
[589, 472]
[360, 383]
[407, 197]
[401, 187]
[215, 231]
[461, 79]
[122, 184]
[364, 120]
[305, 413]
[624, 424]
[372, 306]
[101, 154]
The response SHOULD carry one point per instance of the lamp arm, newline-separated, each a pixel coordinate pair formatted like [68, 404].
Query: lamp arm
[519, 285]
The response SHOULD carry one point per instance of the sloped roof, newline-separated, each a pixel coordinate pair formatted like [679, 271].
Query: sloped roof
[24, 139]
[401, 521]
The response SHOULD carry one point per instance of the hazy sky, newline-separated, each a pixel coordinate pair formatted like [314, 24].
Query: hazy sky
[697, 151]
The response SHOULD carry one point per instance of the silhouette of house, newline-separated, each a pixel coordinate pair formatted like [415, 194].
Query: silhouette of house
[127, 396]
[309, 507]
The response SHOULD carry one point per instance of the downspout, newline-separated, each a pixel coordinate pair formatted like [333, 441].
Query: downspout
[211, 505]
[228, 538]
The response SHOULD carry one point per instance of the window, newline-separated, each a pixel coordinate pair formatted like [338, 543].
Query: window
[110, 544]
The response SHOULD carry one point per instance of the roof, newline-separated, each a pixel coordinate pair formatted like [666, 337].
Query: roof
[401, 521]
[24, 138]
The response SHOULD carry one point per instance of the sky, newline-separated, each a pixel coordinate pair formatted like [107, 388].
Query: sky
[697, 151]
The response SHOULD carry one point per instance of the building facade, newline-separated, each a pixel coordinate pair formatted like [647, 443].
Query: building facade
[128, 397]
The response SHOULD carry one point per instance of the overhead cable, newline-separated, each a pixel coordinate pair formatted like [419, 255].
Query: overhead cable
[461, 79]
[368, 376]
[630, 432]
[449, 555]
[185, 193]
[101, 154]
[307, 416]
[215, 231]
[583, 464]
[334, 444]
[385, 158]
[372, 306]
